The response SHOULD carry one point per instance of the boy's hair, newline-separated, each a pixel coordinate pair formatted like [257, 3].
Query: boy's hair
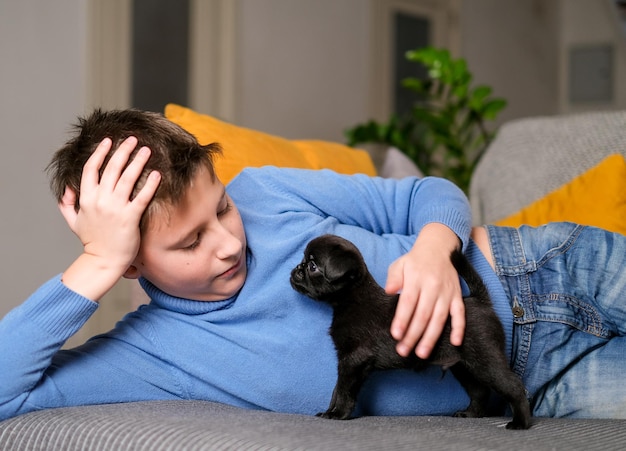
[175, 154]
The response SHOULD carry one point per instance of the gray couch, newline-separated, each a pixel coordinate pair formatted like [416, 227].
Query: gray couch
[528, 159]
[197, 425]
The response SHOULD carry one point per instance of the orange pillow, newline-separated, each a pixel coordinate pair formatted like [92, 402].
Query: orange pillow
[597, 198]
[243, 147]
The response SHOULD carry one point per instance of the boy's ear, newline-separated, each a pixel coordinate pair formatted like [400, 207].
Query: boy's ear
[131, 273]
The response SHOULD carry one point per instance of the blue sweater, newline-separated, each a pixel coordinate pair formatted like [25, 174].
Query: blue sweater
[266, 348]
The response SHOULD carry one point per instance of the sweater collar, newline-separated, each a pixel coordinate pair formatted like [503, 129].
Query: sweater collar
[182, 305]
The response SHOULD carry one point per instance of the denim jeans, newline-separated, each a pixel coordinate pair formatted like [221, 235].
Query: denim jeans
[567, 288]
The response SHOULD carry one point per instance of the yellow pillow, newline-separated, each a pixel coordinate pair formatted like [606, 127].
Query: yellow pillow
[597, 197]
[244, 147]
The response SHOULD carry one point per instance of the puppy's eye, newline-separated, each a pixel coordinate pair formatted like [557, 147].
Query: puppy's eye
[312, 266]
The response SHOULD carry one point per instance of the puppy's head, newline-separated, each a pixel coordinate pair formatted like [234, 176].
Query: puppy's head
[330, 265]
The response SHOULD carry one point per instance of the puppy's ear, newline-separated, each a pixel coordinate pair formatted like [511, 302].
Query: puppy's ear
[337, 273]
[342, 268]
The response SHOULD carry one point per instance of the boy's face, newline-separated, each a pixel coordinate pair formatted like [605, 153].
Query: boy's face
[197, 249]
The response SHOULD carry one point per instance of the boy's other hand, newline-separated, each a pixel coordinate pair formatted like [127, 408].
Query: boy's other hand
[430, 292]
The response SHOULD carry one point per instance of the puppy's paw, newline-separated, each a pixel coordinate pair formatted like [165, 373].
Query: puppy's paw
[467, 414]
[518, 425]
[333, 415]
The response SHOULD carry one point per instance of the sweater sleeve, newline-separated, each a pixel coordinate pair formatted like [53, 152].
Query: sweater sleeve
[31, 334]
[380, 205]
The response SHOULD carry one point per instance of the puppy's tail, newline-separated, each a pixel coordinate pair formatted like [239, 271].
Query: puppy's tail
[475, 283]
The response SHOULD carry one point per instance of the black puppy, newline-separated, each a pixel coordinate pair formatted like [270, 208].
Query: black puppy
[333, 271]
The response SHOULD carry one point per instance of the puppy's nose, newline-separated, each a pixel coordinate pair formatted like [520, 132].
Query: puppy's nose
[298, 273]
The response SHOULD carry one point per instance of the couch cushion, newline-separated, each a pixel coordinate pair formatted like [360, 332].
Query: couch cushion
[200, 425]
[532, 157]
[597, 197]
[243, 147]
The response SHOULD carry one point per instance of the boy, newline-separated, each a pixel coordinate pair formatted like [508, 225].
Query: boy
[224, 324]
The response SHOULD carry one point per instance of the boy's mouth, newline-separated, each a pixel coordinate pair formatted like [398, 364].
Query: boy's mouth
[233, 269]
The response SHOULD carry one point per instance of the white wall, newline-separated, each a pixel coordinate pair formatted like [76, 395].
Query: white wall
[587, 23]
[303, 66]
[513, 46]
[520, 48]
[42, 79]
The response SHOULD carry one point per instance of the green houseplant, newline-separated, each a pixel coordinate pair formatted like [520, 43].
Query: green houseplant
[445, 132]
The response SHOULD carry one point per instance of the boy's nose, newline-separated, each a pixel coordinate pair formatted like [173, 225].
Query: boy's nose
[228, 245]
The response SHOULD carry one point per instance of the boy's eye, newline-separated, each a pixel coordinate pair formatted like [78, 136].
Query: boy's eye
[225, 210]
[193, 245]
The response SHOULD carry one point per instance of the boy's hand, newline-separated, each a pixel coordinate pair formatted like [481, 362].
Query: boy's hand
[107, 222]
[430, 292]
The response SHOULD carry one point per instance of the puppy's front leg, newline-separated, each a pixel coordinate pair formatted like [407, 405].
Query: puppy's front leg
[350, 378]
